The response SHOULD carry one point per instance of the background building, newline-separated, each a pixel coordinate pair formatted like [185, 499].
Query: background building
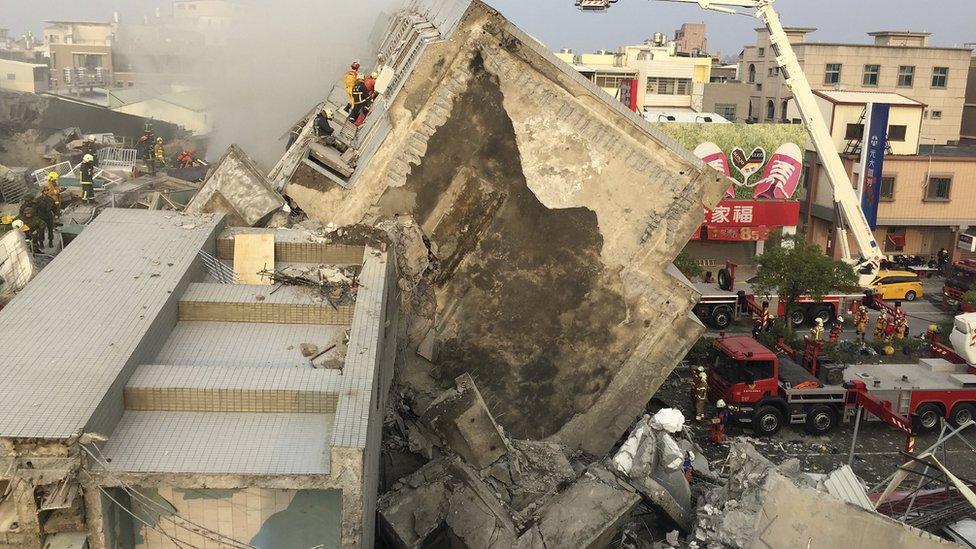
[691, 39]
[24, 77]
[80, 54]
[901, 62]
[665, 80]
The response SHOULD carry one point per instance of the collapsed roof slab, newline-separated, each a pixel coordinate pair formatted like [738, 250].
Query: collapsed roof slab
[553, 213]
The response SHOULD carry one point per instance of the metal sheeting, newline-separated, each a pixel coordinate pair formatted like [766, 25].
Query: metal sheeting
[843, 484]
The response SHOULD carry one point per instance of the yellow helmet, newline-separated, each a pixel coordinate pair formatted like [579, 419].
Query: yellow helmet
[53, 177]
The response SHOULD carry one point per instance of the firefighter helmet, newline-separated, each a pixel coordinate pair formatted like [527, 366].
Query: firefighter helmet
[53, 177]
[720, 404]
[355, 65]
[88, 158]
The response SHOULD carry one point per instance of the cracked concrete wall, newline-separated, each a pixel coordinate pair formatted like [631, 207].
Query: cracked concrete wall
[553, 216]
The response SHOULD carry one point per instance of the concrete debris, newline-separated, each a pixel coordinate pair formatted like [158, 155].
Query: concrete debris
[765, 505]
[238, 189]
[669, 420]
[586, 515]
[309, 349]
[462, 419]
[17, 266]
[650, 460]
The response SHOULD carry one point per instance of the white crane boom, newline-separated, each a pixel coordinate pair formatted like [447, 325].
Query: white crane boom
[846, 202]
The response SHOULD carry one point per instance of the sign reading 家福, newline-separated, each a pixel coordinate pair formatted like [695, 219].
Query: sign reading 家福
[748, 219]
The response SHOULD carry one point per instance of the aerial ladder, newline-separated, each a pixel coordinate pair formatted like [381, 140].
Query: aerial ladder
[846, 203]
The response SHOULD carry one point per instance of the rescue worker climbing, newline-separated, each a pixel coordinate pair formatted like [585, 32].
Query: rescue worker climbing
[352, 75]
[87, 173]
[323, 127]
[159, 153]
[186, 159]
[879, 326]
[31, 223]
[53, 191]
[360, 100]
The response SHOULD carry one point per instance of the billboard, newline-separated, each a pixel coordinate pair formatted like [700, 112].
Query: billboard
[742, 220]
[764, 161]
[872, 159]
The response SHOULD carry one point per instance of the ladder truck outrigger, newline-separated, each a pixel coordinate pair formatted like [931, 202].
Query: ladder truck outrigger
[846, 204]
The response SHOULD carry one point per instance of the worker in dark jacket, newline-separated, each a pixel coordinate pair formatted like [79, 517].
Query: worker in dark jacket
[360, 100]
[44, 211]
[87, 172]
[323, 127]
[29, 218]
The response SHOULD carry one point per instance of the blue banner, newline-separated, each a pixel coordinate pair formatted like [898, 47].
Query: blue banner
[876, 141]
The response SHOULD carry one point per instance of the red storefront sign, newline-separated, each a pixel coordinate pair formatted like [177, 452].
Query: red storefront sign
[747, 220]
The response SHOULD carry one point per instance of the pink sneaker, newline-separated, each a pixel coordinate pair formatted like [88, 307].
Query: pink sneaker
[711, 154]
[782, 174]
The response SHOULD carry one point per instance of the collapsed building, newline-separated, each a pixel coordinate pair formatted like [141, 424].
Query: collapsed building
[545, 217]
[176, 408]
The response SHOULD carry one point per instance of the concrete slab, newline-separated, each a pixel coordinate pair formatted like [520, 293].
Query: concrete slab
[238, 189]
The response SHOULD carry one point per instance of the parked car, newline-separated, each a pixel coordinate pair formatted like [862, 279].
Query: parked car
[897, 285]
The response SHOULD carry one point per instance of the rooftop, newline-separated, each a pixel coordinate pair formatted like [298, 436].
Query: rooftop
[842, 97]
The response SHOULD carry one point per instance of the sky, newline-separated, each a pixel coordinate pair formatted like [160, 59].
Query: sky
[559, 25]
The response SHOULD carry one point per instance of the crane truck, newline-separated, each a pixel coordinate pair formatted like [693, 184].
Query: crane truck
[846, 203]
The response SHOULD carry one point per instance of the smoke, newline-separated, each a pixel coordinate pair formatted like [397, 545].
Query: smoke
[282, 58]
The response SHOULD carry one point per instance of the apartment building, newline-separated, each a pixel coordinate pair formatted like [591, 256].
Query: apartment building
[664, 79]
[900, 62]
[80, 53]
[926, 197]
[691, 39]
[968, 130]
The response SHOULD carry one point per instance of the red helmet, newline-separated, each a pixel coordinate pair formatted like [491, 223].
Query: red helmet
[355, 65]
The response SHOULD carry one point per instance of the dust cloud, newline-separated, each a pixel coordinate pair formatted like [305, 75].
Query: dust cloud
[282, 57]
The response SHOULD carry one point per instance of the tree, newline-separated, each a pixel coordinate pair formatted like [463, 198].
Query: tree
[792, 267]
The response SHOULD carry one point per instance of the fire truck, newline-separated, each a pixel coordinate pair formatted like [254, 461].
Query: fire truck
[768, 389]
[723, 302]
[961, 279]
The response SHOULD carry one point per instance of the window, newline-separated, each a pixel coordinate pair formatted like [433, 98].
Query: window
[770, 71]
[726, 110]
[611, 80]
[940, 75]
[938, 188]
[854, 131]
[872, 74]
[752, 111]
[762, 52]
[770, 110]
[832, 74]
[784, 110]
[936, 115]
[897, 133]
[894, 242]
[752, 74]
[887, 188]
[906, 76]
[11, 76]
[668, 86]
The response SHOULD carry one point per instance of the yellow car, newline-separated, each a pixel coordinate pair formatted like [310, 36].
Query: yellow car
[897, 285]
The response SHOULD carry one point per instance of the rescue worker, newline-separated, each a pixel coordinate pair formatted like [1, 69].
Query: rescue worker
[861, 322]
[723, 414]
[44, 210]
[323, 127]
[88, 147]
[817, 332]
[879, 326]
[87, 173]
[352, 75]
[32, 225]
[688, 465]
[186, 159]
[943, 259]
[146, 141]
[370, 83]
[159, 153]
[900, 323]
[763, 321]
[360, 100]
[836, 329]
[889, 328]
[701, 395]
[53, 191]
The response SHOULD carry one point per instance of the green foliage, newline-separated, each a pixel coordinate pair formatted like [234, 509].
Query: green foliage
[970, 297]
[702, 353]
[792, 267]
[688, 266]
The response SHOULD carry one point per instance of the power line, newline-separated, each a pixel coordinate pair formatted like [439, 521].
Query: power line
[221, 538]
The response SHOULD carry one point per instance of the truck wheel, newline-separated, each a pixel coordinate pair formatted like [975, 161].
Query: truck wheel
[767, 421]
[911, 295]
[962, 413]
[798, 316]
[725, 279]
[721, 317]
[927, 417]
[820, 420]
[825, 313]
